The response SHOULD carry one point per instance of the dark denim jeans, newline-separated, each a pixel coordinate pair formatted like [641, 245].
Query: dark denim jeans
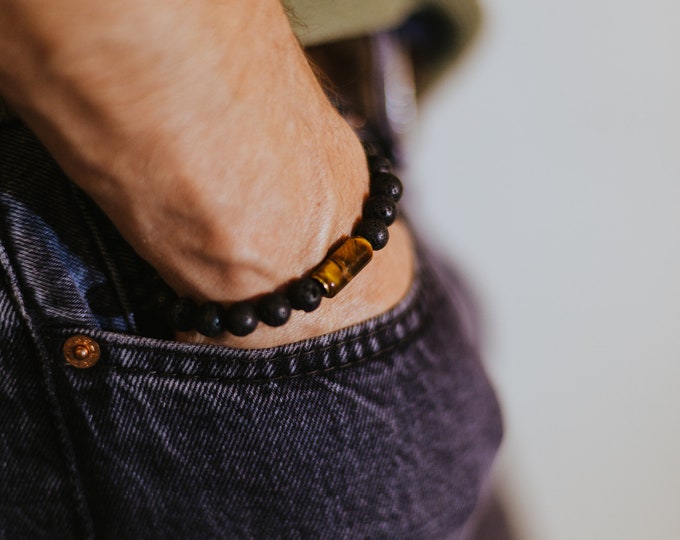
[385, 429]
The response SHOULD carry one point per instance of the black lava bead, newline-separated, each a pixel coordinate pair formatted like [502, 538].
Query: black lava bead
[387, 185]
[182, 314]
[209, 320]
[161, 298]
[373, 230]
[305, 294]
[379, 164]
[240, 319]
[382, 208]
[273, 309]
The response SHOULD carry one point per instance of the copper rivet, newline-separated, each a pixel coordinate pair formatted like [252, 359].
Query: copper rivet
[81, 351]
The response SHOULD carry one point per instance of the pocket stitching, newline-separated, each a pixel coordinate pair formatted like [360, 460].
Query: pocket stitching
[260, 380]
[416, 310]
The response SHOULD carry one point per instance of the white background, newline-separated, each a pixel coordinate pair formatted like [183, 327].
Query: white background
[548, 165]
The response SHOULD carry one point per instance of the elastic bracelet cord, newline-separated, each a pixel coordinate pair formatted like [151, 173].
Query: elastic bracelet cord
[328, 278]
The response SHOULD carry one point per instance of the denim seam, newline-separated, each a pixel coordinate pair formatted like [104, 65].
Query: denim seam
[261, 380]
[58, 421]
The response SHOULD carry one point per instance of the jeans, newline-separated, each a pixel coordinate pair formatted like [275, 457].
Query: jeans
[385, 429]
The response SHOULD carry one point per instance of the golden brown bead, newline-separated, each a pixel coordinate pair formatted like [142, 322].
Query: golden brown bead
[338, 269]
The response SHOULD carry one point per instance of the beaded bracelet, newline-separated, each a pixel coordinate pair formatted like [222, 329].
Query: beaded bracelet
[304, 294]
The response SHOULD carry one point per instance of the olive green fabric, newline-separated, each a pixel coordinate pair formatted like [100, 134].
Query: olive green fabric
[322, 21]
[319, 21]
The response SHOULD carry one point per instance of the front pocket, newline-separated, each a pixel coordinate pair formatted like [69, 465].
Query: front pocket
[337, 350]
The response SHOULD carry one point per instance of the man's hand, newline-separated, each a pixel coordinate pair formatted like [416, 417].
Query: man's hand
[202, 132]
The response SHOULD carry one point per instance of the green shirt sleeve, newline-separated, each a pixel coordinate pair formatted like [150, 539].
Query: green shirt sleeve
[319, 21]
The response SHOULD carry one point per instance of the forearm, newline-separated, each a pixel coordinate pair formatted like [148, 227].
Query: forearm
[92, 77]
[202, 98]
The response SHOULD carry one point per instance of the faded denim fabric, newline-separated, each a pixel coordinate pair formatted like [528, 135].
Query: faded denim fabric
[385, 429]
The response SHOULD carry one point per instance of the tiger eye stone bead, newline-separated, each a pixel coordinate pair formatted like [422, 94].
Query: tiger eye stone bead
[273, 309]
[387, 185]
[341, 266]
[382, 208]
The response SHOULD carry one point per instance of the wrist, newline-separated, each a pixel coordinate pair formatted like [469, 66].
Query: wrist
[253, 229]
[386, 283]
[380, 286]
